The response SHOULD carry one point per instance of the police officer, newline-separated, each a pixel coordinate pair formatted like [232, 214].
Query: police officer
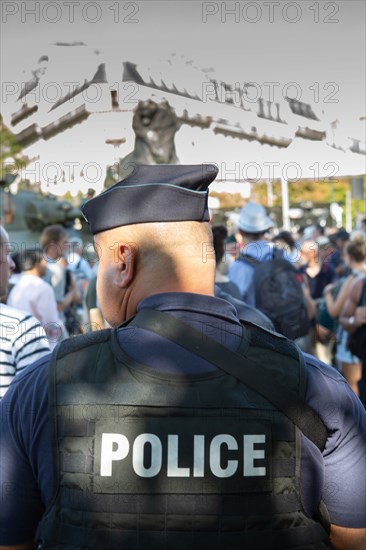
[180, 427]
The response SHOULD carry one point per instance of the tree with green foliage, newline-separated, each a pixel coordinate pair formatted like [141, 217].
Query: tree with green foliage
[317, 192]
[11, 156]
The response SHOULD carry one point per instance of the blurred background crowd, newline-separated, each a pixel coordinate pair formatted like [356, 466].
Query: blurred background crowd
[312, 287]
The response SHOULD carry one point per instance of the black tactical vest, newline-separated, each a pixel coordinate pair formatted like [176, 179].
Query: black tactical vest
[149, 460]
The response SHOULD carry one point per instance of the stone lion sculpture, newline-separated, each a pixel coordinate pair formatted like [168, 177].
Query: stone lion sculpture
[155, 126]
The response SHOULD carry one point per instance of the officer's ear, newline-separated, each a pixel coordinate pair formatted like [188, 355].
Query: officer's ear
[126, 258]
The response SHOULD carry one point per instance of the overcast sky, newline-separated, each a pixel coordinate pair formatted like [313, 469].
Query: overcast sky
[304, 42]
[318, 45]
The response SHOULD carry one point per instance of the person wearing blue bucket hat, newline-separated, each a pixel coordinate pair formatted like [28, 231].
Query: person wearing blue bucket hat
[253, 220]
[253, 225]
[266, 277]
[179, 427]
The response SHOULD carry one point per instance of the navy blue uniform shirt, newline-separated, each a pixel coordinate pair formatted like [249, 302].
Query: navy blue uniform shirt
[337, 474]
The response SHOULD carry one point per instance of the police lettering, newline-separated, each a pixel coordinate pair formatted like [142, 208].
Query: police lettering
[148, 453]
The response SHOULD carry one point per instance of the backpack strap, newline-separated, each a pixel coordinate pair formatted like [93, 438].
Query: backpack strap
[362, 299]
[286, 400]
[250, 260]
[276, 254]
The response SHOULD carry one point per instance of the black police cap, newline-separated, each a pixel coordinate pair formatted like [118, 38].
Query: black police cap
[153, 193]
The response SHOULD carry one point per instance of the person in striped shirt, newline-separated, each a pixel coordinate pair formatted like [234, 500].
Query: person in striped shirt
[22, 339]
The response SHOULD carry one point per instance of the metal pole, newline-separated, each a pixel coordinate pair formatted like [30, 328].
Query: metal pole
[348, 211]
[269, 192]
[285, 204]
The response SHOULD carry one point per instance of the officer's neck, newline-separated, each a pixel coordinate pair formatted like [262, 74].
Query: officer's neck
[142, 288]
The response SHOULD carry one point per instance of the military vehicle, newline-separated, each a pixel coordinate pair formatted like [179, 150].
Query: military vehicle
[26, 213]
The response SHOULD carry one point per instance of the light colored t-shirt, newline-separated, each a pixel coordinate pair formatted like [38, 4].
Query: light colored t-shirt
[34, 295]
[56, 276]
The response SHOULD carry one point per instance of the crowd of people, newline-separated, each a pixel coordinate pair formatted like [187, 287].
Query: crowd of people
[56, 282]
[44, 297]
[327, 263]
[184, 299]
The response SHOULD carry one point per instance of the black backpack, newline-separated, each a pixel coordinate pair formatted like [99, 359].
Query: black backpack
[279, 295]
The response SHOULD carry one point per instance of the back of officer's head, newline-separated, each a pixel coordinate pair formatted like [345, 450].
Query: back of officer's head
[152, 233]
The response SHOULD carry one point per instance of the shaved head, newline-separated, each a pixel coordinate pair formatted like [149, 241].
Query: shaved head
[180, 241]
[158, 257]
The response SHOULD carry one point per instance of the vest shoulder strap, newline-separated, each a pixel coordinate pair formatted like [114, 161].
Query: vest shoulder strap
[253, 373]
[81, 341]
